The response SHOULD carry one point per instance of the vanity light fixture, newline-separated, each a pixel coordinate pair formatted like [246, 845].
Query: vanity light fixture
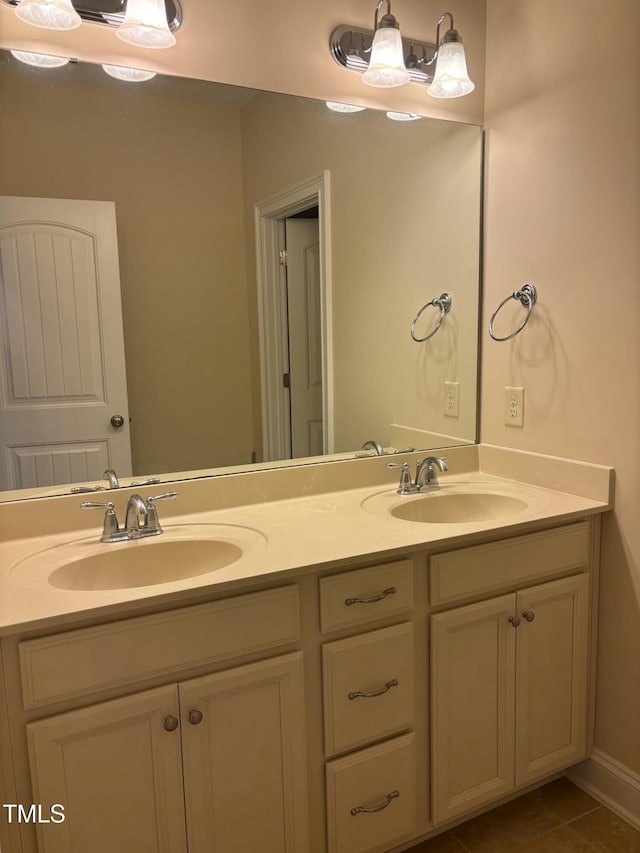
[442, 66]
[49, 14]
[144, 23]
[129, 75]
[40, 60]
[344, 108]
[386, 67]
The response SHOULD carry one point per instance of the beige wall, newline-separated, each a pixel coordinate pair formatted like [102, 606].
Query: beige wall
[563, 210]
[396, 187]
[280, 45]
[170, 158]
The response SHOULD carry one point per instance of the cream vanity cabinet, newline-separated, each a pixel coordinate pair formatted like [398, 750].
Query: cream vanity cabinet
[508, 673]
[435, 684]
[369, 708]
[216, 762]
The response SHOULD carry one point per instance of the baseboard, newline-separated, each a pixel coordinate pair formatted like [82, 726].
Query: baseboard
[611, 782]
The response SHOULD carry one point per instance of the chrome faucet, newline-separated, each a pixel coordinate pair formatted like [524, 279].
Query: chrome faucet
[426, 478]
[141, 518]
[374, 445]
[378, 450]
[426, 473]
[112, 477]
[136, 518]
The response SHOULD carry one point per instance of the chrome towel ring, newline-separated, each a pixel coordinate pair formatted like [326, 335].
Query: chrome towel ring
[527, 296]
[443, 302]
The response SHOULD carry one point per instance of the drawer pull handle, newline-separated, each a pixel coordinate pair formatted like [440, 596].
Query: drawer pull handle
[195, 717]
[529, 615]
[361, 809]
[380, 692]
[171, 723]
[372, 598]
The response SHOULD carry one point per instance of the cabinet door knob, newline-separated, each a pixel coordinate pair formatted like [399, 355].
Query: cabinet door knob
[171, 723]
[515, 621]
[378, 808]
[529, 615]
[195, 717]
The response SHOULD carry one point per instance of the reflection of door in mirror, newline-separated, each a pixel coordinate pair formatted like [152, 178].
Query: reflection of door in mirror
[62, 376]
[305, 349]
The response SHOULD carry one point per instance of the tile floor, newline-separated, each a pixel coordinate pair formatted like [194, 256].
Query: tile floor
[558, 818]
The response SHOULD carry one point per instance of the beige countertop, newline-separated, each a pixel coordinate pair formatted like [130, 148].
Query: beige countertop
[284, 536]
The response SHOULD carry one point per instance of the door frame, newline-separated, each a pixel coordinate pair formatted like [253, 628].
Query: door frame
[269, 216]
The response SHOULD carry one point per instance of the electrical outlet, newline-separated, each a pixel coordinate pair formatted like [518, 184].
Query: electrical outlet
[452, 399]
[514, 406]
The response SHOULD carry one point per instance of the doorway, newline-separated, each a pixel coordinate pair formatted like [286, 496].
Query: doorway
[294, 318]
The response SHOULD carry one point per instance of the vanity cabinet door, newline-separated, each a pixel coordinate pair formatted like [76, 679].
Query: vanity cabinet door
[117, 770]
[472, 709]
[244, 758]
[551, 677]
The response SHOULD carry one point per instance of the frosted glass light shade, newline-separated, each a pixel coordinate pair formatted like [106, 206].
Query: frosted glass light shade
[395, 116]
[49, 14]
[451, 79]
[40, 60]
[386, 66]
[145, 24]
[344, 108]
[129, 75]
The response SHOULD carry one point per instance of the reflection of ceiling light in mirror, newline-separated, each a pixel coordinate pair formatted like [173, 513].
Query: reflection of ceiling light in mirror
[403, 116]
[129, 75]
[344, 108]
[49, 14]
[40, 60]
[145, 24]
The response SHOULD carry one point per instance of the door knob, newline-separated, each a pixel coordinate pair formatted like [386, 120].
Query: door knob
[117, 421]
[171, 723]
[529, 615]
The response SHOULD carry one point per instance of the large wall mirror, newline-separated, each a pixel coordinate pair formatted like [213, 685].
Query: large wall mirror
[234, 352]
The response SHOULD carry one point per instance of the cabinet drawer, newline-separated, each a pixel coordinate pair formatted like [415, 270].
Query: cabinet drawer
[522, 559]
[364, 595]
[379, 664]
[371, 798]
[89, 659]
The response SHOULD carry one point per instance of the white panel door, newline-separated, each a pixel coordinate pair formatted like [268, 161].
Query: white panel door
[62, 372]
[305, 336]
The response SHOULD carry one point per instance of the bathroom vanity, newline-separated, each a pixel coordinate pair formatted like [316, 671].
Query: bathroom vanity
[352, 682]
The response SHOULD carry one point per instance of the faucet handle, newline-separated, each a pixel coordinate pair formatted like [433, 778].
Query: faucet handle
[153, 523]
[108, 505]
[111, 528]
[405, 486]
[165, 496]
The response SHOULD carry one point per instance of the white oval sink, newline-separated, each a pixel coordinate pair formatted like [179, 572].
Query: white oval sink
[458, 508]
[181, 552]
[157, 562]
